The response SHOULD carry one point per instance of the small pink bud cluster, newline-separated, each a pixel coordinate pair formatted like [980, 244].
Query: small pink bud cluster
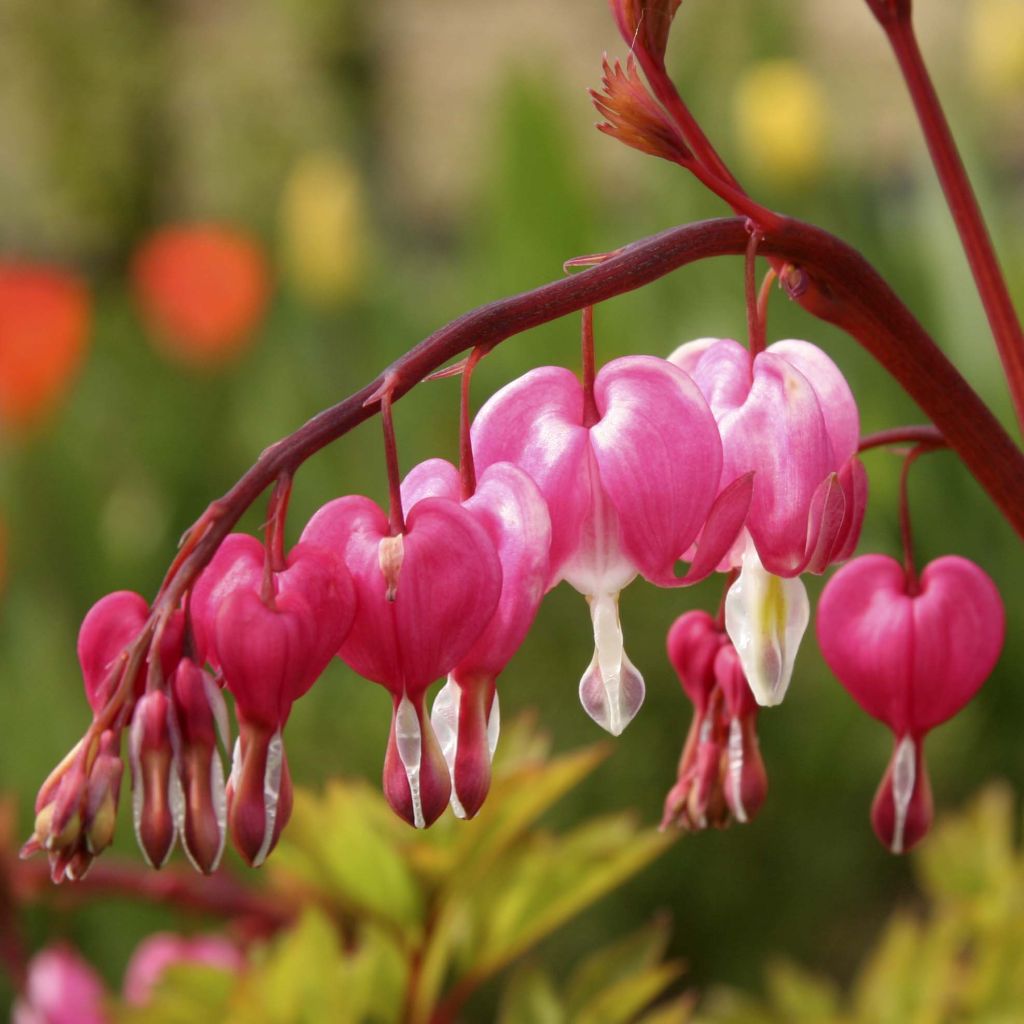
[721, 775]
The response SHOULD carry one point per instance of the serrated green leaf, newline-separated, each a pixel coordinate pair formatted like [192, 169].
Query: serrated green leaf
[530, 998]
[299, 980]
[548, 882]
[629, 955]
[516, 801]
[342, 844]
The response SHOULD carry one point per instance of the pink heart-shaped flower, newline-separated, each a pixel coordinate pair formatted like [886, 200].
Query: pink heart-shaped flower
[911, 659]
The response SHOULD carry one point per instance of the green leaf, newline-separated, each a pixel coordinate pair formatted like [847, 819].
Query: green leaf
[799, 996]
[187, 993]
[530, 998]
[676, 1011]
[621, 1002]
[639, 950]
[347, 844]
[549, 881]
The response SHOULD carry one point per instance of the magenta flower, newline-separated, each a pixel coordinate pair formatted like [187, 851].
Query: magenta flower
[272, 634]
[721, 776]
[424, 598]
[61, 988]
[912, 655]
[465, 715]
[155, 953]
[628, 493]
[787, 415]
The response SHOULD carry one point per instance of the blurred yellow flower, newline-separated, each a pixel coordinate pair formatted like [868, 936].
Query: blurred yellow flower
[995, 47]
[780, 121]
[322, 228]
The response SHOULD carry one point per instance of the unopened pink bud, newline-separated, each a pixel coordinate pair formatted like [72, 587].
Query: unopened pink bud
[465, 720]
[202, 720]
[693, 641]
[416, 780]
[901, 812]
[103, 793]
[745, 780]
[259, 792]
[155, 786]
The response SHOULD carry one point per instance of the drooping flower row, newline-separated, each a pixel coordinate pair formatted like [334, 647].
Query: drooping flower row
[731, 462]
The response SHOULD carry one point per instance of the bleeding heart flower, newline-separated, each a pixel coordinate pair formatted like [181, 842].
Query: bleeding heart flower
[787, 415]
[721, 776]
[465, 715]
[912, 654]
[161, 950]
[109, 626]
[627, 493]
[272, 635]
[60, 988]
[424, 598]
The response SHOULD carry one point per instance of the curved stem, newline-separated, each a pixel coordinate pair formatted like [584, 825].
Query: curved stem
[467, 464]
[837, 285]
[396, 517]
[755, 324]
[906, 532]
[925, 436]
[963, 204]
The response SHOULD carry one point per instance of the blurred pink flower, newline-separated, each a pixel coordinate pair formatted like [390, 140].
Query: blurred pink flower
[156, 953]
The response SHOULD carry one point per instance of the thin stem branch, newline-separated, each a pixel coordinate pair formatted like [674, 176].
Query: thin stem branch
[837, 285]
[763, 296]
[918, 435]
[755, 325]
[396, 517]
[467, 464]
[217, 894]
[963, 204]
[906, 532]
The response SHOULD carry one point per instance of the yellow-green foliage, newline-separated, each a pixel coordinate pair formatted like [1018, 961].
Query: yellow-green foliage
[402, 926]
[962, 962]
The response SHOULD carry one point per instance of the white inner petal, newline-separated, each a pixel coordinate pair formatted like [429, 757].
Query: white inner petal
[904, 777]
[766, 617]
[611, 689]
[493, 726]
[271, 795]
[735, 762]
[444, 717]
[409, 740]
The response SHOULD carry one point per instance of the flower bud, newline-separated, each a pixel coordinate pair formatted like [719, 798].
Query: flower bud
[416, 780]
[202, 718]
[103, 793]
[156, 791]
[259, 791]
[901, 812]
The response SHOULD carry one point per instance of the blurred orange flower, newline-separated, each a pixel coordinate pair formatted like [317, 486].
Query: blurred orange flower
[45, 314]
[203, 290]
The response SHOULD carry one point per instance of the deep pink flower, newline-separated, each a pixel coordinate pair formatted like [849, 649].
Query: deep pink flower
[272, 634]
[465, 715]
[787, 415]
[912, 655]
[161, 950]
[424, 598]
[627, 494]
[109, 626]
[61, 988]
[721, 776]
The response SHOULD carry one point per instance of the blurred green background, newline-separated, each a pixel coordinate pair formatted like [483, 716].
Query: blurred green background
[403, 162]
